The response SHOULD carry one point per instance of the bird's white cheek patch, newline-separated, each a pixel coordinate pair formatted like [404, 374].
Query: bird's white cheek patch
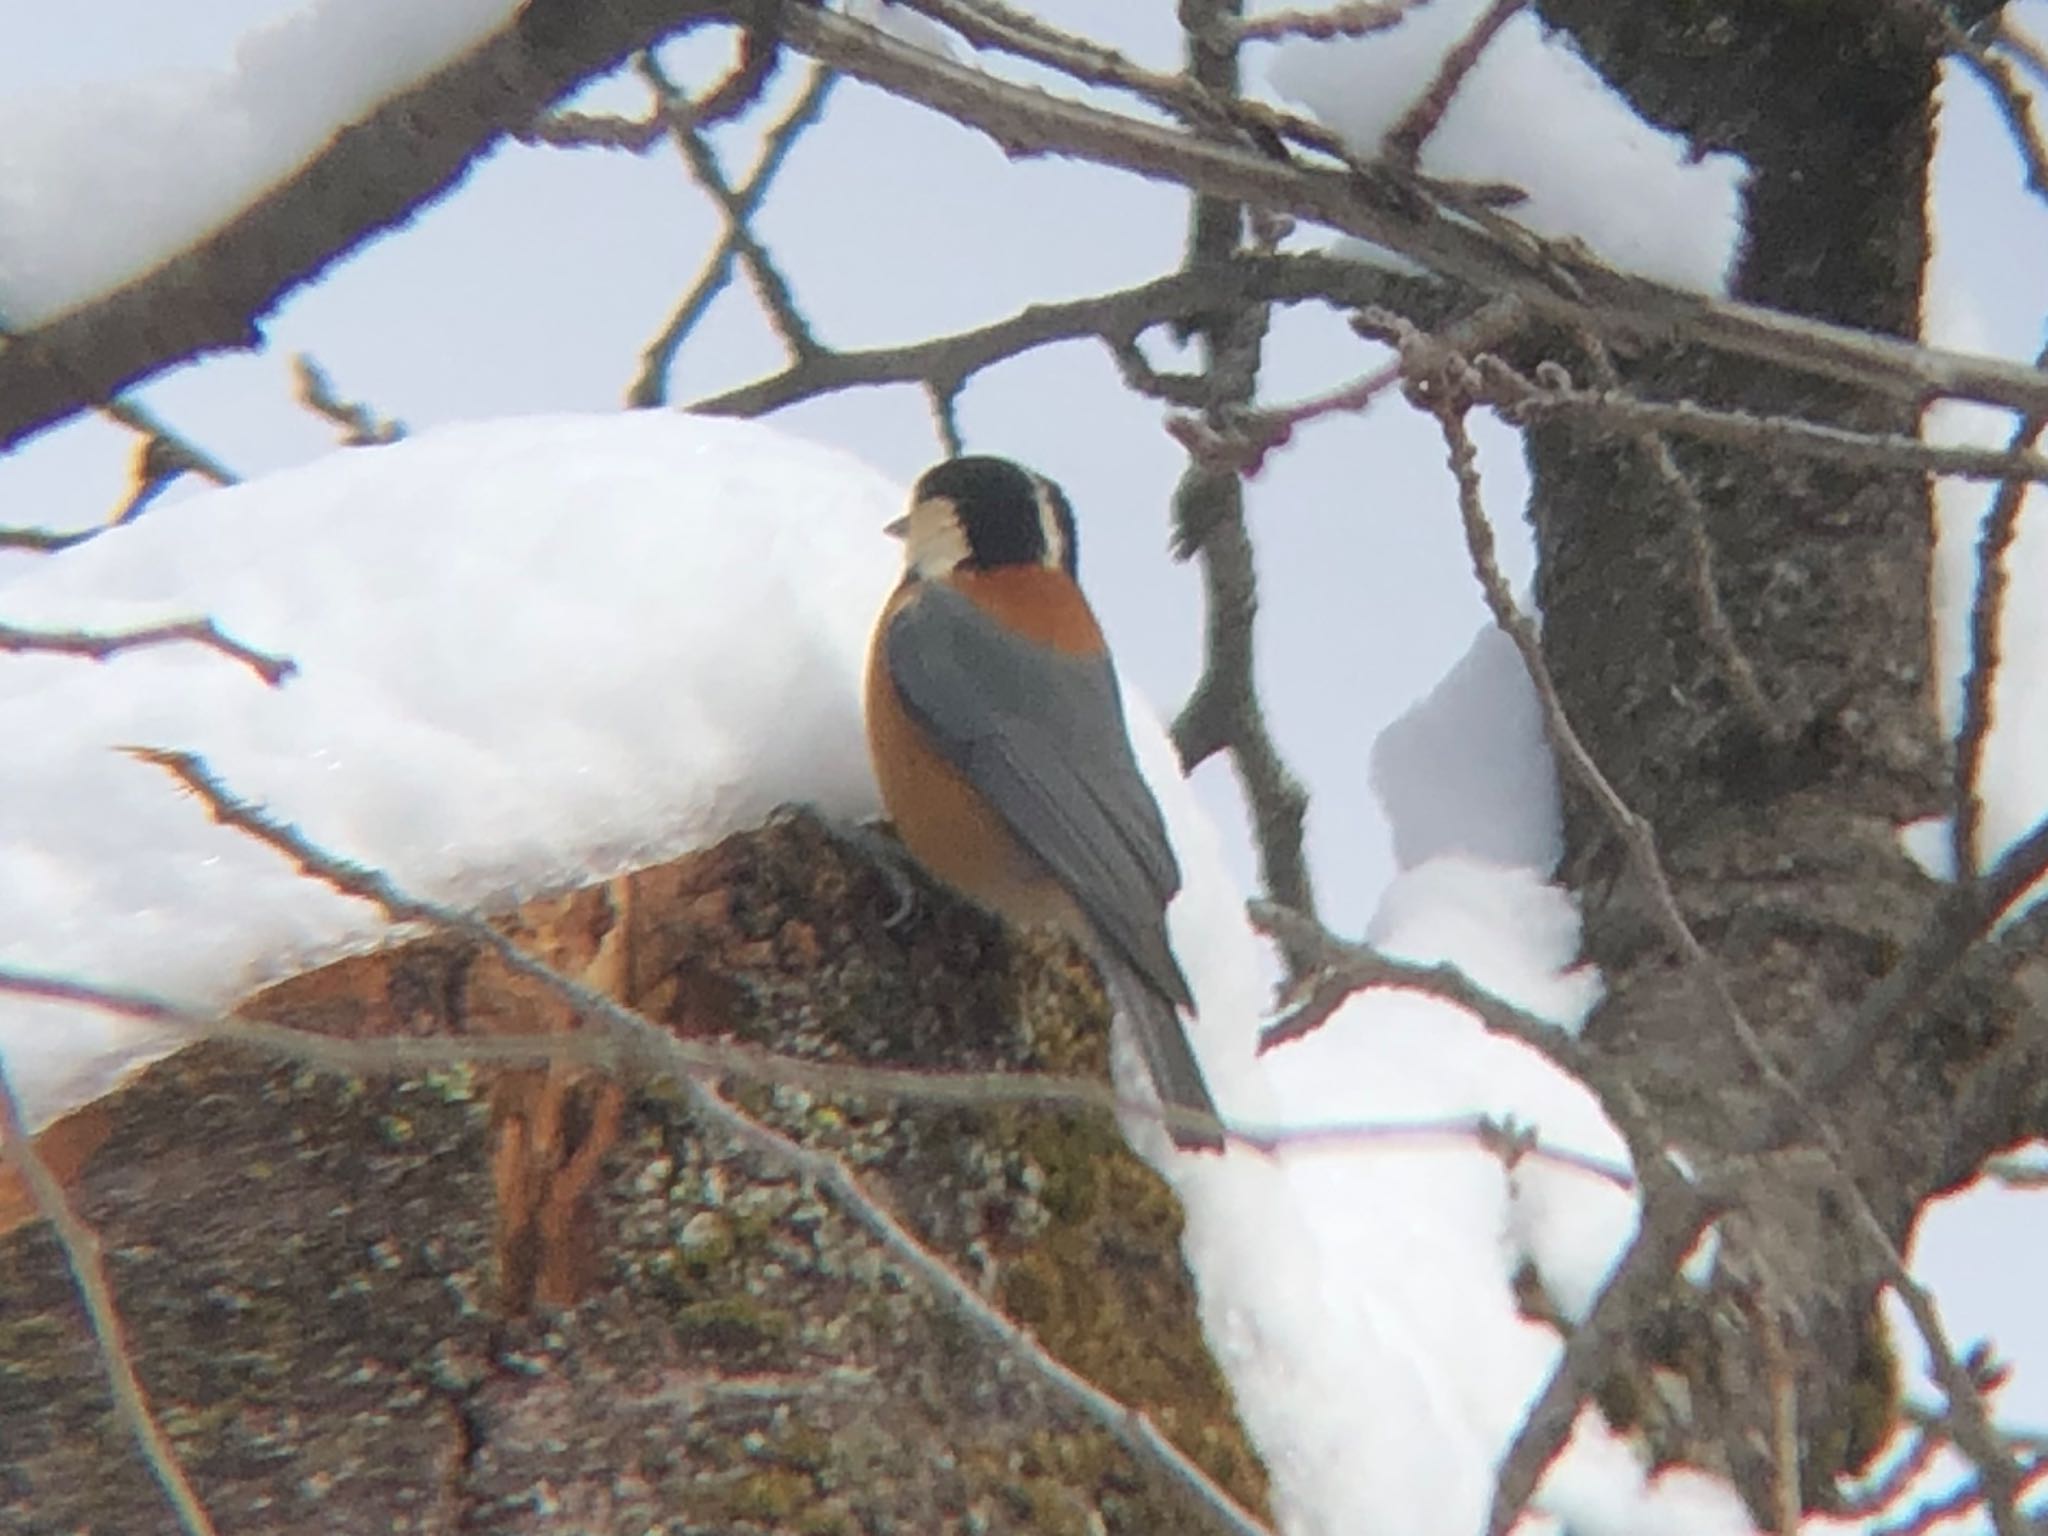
[935, 544]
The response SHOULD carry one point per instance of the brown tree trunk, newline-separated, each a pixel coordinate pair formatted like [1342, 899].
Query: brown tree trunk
[1779, 837]
[351, 1301]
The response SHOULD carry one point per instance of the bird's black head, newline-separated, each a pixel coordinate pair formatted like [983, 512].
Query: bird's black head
[981, 512]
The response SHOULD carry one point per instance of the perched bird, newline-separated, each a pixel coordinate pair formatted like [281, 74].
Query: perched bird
[999, 742]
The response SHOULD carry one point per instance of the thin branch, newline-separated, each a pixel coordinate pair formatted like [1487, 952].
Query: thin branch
[172, 451]
[1116, 319]
[1343, 968]
[1352, 201]
[2008, 36]
[1987, 620]
[89, 1274]
[1358, 18]
[1517, 399]
[360, 426]
[1675, 1213]
[370, 176]
[44, 541]
[2013, 102]
[1880, 1494]
[1969, 1419]
[738, 207]
[1224, 712]
[98, 646]
[1959, 1501]
[1440, 383]
[1403, 142]
[1241, 440]
[1199, 103]
[636, 1046]
[656, 1055]
[1966, 914]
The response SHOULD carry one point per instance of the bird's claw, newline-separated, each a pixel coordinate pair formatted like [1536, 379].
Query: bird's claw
[889, 858]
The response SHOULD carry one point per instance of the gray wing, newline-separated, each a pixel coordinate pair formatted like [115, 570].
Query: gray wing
[1041, 735]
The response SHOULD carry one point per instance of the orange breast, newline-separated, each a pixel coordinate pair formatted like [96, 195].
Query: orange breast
[944, 822]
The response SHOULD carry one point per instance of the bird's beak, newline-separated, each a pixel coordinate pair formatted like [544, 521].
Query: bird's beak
[900, 529]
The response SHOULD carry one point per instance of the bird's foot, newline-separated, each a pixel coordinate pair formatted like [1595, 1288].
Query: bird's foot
[889, 858]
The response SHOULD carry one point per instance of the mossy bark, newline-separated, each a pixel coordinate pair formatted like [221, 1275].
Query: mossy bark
[486, 1302]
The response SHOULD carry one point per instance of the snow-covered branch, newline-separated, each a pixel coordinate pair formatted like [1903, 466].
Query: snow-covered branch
[372, 175]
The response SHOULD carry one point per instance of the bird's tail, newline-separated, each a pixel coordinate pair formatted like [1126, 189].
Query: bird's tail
[1163, 1041]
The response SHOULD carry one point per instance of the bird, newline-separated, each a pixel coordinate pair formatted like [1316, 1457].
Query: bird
[999, 744]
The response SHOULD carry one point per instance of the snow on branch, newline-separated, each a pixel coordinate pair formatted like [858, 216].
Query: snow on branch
[371, 175]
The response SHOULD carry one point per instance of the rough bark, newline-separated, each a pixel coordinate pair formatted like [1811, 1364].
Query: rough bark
[322, 1276]
[1781, 848]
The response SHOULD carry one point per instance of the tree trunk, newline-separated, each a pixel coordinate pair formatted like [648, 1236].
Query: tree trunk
[1778, 835]
[515, 1303]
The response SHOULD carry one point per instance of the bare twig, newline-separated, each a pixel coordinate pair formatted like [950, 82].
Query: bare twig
[1968, 1418]
[1358, 18]
[1964, 915]
[2014, 104]
[1987, 619]
[2008, 36]
[1196, 101]
[1335, 969]
[654, 1054]
[44, 541]
[1518, 398]
[82, 1252]
[171, 448]
[738, 207]
[1240, 440]
[360, 426]
[1115, 318]
[371, 175]
[1959, 1501]
[99, 646]
[1403, 142]
[1675, 1212]
[1224, 713]
[1615, 305]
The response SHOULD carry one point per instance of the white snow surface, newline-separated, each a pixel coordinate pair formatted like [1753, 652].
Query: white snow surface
[1532, 114]
[1466, 770]
[533, 653]
[99, 183]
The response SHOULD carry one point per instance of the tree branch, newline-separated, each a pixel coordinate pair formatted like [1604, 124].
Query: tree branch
[1389, 211]
[96, 646]
[372, 175]
[82, 1252]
